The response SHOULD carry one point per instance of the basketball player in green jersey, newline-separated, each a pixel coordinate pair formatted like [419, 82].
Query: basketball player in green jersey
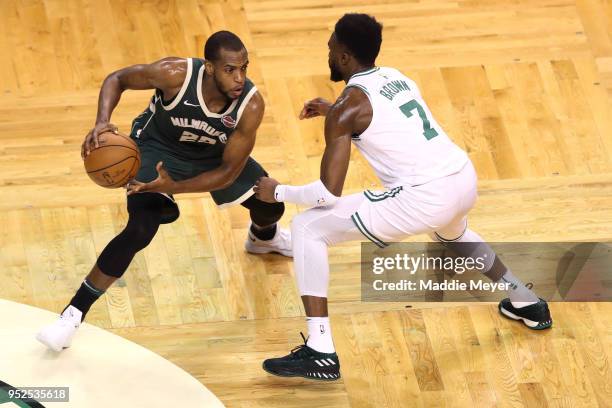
[196, 135]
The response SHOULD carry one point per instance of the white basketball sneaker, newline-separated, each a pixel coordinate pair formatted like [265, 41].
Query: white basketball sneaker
[281, 243]
[58, 335]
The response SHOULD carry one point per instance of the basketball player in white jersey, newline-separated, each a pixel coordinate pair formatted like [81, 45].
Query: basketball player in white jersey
[430, 188]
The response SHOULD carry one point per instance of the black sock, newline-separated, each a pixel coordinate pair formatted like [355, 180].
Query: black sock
[265, 233]
[84, 297]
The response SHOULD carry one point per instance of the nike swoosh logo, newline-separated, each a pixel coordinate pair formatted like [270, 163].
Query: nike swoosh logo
[191, 104]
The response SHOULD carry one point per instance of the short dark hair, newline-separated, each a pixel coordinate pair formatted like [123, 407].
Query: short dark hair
[221, 39]
[361, 34]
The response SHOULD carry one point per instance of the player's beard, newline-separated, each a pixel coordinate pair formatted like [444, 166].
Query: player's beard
[334, 73]
[219, 86]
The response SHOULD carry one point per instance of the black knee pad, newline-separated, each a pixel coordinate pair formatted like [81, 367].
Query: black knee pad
[139, 231]
[142, 225]
[154, 202]
[263, 213]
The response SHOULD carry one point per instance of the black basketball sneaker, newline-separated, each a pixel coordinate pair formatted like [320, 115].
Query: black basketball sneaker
[306, 362]
[536, 316]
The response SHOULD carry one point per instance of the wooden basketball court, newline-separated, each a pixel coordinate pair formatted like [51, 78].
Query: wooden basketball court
[523, 85]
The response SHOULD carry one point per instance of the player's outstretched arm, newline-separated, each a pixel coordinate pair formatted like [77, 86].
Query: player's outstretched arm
[315, 107]
[338, 130]
[343, 119]
[167, 74]
[236, 153]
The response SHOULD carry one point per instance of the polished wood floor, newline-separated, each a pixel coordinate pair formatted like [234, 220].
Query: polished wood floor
[523, 85]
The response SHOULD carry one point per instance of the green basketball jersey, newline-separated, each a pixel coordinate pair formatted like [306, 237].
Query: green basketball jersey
[183, 126]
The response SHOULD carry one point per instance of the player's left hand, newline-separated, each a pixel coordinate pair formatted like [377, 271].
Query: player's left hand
[162, 184]
[264, 189]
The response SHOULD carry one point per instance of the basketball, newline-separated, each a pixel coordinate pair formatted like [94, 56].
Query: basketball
[115, 162]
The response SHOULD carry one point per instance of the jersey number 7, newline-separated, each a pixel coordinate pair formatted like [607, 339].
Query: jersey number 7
[407, 109]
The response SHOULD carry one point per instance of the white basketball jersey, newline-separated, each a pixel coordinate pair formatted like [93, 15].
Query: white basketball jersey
[404, 144]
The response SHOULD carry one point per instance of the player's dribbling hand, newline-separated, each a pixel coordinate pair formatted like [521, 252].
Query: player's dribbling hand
[264, 189]
[91, 139]
[315, 107]
[162, 184]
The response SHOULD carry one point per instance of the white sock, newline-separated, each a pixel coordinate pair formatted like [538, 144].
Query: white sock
[319, 334]
[519, 294]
